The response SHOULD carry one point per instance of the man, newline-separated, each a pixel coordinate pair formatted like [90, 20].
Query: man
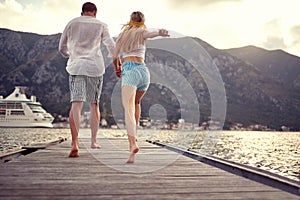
[80, 43]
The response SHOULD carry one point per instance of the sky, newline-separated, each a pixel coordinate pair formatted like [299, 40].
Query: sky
[270, 24]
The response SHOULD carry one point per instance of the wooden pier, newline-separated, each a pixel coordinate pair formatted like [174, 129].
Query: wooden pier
[102, 174]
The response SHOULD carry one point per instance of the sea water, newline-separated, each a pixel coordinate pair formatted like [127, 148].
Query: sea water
[277, 152]
[14, 138]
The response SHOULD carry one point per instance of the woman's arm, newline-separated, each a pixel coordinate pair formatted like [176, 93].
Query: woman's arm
[116, 60]
[160, 32]
[116, 50]
[118, 67]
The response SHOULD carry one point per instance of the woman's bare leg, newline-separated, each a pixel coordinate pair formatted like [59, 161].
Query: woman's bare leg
[128, 100]
[138, 97]
[94, 124]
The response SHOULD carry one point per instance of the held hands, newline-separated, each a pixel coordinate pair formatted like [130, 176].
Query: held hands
[118, 67]
[119, 71]
[163, 33]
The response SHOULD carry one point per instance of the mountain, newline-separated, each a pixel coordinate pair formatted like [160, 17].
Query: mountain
[260, 86]
[32, 60]
[276, 64]
[281, 69]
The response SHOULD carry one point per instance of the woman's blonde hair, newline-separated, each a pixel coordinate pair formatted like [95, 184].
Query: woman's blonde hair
[131, 36]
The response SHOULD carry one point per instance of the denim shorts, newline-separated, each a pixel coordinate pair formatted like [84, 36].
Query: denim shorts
[85, 88]
[136, 75]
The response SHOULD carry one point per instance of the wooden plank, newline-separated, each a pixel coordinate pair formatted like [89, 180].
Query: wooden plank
[252, 173]
[103, 174]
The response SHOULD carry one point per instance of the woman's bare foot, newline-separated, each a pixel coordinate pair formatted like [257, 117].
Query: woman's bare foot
[95, 146]
[74, 153]
[133, 151]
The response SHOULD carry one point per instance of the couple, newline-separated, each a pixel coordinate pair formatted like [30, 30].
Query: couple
[80, 43]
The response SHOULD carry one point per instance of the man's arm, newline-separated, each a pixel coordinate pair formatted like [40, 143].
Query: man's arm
[108, 41]
[113, 51]
[63, 47]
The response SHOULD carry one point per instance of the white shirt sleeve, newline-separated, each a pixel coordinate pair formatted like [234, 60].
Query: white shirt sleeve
[63, 47]
[108, 41]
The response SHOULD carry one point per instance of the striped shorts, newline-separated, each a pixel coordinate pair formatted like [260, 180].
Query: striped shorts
[135, 75]
[85, 88]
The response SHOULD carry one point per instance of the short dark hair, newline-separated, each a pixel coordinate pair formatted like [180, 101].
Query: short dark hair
[89, 7]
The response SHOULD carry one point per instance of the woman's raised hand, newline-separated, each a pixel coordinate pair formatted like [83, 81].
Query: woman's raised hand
[163, 33]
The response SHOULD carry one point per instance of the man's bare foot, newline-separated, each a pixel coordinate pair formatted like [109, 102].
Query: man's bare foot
[74, 153]
[95, 146]
[131, 158]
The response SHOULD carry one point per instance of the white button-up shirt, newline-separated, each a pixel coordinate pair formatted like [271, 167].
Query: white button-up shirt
[80, 42]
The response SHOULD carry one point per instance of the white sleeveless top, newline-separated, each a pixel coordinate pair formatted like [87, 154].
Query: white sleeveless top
[139, 52]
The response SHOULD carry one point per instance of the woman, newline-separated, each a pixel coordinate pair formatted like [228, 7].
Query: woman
[135, 75]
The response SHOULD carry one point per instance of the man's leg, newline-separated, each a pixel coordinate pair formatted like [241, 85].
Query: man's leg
[94, 124]
[74, 119]
[93, 92]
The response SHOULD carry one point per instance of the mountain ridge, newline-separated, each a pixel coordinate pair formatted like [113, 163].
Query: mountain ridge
[254, 95]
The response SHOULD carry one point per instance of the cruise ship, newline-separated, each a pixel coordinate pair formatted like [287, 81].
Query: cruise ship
[18, 111]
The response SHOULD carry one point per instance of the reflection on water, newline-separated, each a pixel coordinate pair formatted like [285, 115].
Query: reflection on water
[278, 152]
[11, 138]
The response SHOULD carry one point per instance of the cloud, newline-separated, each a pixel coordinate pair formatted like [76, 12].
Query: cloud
[179, 4]
[274, 42]
[51, 16]
[279, 34]
[45, 17]
[295, 34]
[295, 37]
[274, 36]
[222, 23]
[273, 26]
